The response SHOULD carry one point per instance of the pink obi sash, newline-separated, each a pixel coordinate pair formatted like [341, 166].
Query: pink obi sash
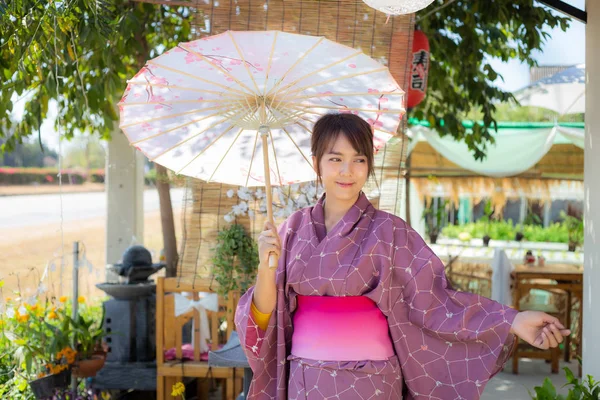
[331, 328]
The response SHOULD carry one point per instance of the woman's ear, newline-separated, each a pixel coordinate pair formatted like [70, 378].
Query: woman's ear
[315, 164]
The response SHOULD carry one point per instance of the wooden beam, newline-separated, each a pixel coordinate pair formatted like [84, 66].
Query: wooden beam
[573, 12]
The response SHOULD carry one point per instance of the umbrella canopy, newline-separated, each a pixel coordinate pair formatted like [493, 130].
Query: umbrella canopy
[563, 92]
[199, 108]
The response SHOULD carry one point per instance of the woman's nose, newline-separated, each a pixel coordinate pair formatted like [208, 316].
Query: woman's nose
[346, 168]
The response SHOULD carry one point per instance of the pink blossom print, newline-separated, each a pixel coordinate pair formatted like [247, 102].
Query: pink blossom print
[192, 58]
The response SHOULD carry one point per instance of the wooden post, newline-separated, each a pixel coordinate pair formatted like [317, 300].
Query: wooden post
[407, 191]
[160, 318]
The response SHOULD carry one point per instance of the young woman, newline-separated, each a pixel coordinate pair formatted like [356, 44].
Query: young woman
[359, 306]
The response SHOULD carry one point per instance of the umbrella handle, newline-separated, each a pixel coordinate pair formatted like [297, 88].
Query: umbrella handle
[264, 132]
[273, 261]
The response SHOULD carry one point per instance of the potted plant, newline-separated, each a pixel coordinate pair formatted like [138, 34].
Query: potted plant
[488, 211]
[91, 353]
[574, 226]
[40, 335]
[519, 235]
[434, 219]
[235, 260]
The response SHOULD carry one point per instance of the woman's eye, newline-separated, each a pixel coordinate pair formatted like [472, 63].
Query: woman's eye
[334, 159]
[361, 160]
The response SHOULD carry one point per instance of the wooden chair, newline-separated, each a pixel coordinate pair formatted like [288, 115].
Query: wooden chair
[468, 276]
[169, 334]
[525, 350]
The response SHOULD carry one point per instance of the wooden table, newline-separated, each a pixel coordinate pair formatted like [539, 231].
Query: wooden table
[567, 277]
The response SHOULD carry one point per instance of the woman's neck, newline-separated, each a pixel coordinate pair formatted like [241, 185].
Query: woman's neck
[334, 210]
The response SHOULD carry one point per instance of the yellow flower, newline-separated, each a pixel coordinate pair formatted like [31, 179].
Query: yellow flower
[63, 299]
[52, 315]
[178, 389]
[1, 323]
[41, 375]
[23, 318]
[81, 299]
[33, 307]
[105, 396]
[55, 369]
[8, 299]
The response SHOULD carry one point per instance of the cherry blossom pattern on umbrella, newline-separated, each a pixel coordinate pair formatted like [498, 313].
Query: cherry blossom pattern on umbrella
[197, 108]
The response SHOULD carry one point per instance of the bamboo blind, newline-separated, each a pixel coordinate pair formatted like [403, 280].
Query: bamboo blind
[349, 22]
[561, 166]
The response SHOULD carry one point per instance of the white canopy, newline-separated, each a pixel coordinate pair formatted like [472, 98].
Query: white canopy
[516, 148]
[563, 92]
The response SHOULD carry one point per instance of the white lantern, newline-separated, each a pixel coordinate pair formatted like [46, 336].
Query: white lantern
[398, 7]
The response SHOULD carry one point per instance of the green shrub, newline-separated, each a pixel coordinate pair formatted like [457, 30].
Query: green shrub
[504, 230]
[173, 179]
[554, 233]
[579, 390]
[96, 176]
[47, 176]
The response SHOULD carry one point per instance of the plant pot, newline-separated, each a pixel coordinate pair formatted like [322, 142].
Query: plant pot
[46, 387]
[572, 246]
[433, 238]
[89, 367]
[486, 240]
[519, 236]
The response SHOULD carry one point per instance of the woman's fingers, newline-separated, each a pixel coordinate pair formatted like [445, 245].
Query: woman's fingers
[272, 241]
[268, 226]
[556, 333]
[542, 341]
[268, 242]
[275, 251]
[551, 339]
[549, 319]
[269, 230]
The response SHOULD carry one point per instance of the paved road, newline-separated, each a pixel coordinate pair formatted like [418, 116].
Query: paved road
[24, 211]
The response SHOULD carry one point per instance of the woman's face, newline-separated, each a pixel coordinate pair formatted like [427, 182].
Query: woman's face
[344, 172]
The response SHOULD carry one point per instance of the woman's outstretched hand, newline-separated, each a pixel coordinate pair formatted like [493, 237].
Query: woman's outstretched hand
[539, 329]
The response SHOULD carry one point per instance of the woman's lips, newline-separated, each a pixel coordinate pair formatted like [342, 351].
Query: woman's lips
[344, 185]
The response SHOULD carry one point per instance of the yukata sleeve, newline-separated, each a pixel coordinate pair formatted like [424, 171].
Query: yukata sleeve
[260, 345]
[449, 343]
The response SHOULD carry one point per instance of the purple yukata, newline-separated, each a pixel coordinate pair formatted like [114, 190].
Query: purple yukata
[446, 344]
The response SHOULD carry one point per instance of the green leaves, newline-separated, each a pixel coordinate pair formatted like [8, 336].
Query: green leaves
[235, 260]
[463, 37]
[546, 391]
[580, 390]
[94, 44]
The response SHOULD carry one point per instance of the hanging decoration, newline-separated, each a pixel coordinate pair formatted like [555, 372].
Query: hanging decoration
[419, 70]
[398, 7]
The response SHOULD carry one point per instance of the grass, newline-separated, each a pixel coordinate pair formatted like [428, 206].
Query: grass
[27, 252]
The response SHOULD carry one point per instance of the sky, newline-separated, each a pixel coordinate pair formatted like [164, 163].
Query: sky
[562, 48]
